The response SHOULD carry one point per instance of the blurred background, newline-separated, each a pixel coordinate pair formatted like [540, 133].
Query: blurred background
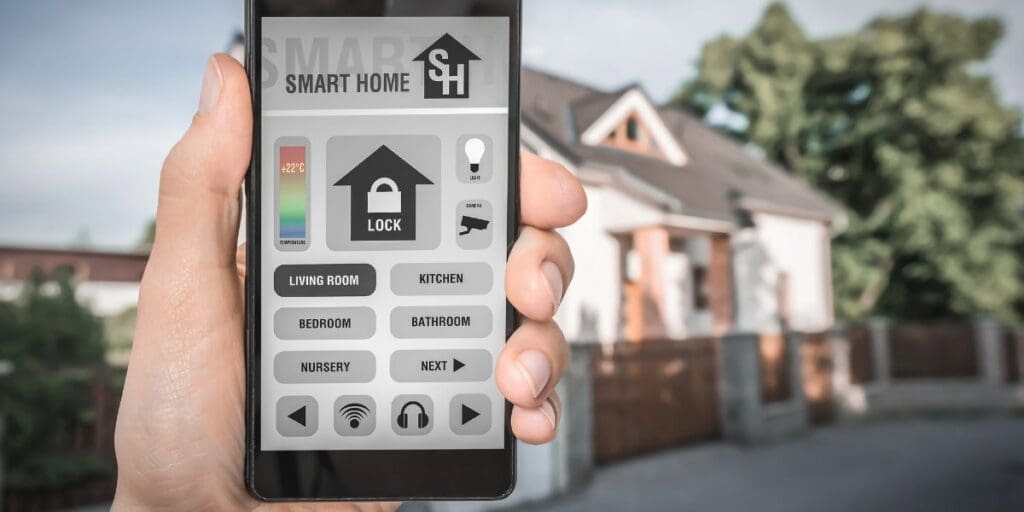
[800, 282]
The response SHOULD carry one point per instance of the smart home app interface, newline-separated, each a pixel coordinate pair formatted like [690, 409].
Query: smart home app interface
[384, 171]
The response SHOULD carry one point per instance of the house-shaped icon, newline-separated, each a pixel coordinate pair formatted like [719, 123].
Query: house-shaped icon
[446, 68]
[383, 196]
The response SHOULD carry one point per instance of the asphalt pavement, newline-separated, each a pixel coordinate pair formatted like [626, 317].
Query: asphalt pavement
[907, 465]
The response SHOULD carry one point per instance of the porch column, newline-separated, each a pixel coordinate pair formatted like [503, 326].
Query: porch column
[645, 296]
[720, 282]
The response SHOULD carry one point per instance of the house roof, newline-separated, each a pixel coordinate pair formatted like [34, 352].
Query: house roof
[719, 174]
[18, 263]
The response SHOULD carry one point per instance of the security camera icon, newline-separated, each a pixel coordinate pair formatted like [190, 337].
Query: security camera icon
[471, 223]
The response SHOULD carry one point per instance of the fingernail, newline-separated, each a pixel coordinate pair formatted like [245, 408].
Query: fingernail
[536, 369]
[548, 410]
[211, 87]
[554, 279]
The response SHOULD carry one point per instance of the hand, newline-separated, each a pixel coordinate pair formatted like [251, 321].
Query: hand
[181, 428]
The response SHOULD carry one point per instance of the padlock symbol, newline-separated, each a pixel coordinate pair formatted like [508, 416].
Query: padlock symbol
[384, 201]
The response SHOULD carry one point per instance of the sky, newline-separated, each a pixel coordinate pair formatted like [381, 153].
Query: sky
[93, 94]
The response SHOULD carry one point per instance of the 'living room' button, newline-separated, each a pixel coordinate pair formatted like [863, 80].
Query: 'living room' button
[338, 280]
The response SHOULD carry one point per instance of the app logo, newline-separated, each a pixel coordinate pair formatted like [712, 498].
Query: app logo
[446, 68]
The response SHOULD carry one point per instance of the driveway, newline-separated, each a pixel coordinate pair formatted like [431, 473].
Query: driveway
[907, 465]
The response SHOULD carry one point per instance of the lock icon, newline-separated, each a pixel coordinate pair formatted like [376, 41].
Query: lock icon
[384, 201]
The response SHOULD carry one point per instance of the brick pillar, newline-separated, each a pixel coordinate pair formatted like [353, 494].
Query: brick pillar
[720, 281]
[646, 295]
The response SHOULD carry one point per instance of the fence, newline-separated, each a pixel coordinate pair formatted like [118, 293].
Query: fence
[92, 436]
[816, 354]
[939, 351]
[653, 395]
[656, 394]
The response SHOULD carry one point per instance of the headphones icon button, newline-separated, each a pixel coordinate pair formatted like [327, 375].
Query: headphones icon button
[412, 415]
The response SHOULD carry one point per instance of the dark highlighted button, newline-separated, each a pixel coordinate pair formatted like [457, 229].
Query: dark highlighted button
[338, 280]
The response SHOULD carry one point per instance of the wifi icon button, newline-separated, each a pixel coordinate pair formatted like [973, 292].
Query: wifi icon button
[355, 415]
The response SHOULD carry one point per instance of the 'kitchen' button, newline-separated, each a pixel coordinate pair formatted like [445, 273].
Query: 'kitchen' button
[441, 278]
[441, 321]
[338, 280]
[441, 365]
[324, 366]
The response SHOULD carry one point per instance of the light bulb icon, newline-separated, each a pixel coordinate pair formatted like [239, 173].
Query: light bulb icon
[474, 152]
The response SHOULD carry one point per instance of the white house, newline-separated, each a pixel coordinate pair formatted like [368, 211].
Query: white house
[687, 233]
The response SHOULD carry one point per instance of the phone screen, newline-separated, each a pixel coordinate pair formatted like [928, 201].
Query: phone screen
[383, 229]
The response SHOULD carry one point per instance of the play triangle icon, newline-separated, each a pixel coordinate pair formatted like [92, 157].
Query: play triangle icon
[468, 414]
[299, 416]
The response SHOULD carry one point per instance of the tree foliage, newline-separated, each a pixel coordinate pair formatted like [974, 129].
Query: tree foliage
[54, 345]
[897, 122]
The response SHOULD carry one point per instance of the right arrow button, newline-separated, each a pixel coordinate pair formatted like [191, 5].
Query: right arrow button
[470, 414]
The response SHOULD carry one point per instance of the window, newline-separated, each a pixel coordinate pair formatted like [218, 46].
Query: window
[701, 300]
[632, 130]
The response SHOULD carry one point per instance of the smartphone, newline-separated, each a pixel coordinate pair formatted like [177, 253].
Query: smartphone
[381, 202]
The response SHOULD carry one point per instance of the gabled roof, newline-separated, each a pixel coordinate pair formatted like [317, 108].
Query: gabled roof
[457, 51]
[718, 175]
[383, 163]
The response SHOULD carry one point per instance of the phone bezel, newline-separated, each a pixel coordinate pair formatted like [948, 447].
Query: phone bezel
[370, 474]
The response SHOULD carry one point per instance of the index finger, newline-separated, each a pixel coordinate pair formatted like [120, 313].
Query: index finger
[550, 196]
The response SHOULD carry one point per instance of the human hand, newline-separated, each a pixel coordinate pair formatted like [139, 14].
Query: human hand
[180, 436]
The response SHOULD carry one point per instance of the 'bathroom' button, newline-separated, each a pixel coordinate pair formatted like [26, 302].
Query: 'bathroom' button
[324, 366]
[441, 278]
[337, 280]
[441, 321]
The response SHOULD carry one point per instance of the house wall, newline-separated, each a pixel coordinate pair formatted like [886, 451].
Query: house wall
[799, 249]
[591, 310]
[756, 277]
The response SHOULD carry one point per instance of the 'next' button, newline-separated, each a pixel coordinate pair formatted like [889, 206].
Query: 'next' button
[464, 365]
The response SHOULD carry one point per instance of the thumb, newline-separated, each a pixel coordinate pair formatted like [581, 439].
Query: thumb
[198, 209]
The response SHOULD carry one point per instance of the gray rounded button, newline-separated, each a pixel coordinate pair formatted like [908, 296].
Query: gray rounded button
[339, 280]
[474, 224]
[324, 366]
[441, 321]
[357, 323]
[412, 415]
[470, 414]
[296, 416]
[474, 278]
[470, 365]
[355, 415]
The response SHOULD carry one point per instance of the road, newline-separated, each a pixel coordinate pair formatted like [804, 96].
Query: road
[948, 464]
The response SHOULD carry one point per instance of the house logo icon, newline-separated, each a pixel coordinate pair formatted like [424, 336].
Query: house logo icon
[383, 196]
[446, 68]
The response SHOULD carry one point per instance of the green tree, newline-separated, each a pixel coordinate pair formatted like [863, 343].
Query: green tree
[896, 122]
[54, 345]
[145, 242]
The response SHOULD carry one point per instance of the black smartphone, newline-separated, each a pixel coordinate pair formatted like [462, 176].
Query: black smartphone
[382, 202]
